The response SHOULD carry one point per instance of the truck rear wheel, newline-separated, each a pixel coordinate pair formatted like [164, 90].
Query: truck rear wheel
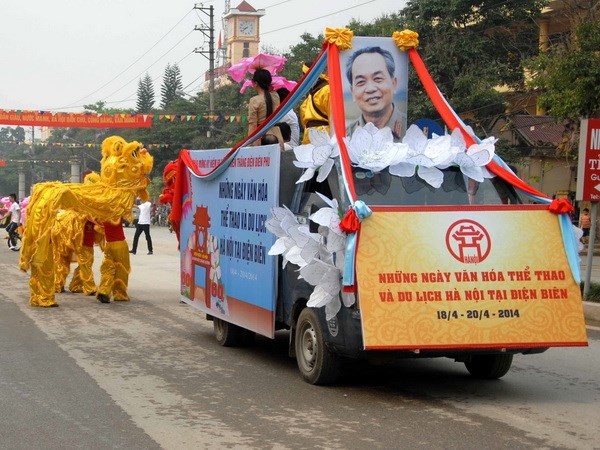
[228, 334]
[317, 364]
[489, 367]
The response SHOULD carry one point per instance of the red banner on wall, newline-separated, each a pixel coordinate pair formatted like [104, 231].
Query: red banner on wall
[75, 120]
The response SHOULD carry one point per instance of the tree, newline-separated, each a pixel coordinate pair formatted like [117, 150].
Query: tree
[145, 94]
[171, 85]
[470, 48]
[305, 51]
[567, 75]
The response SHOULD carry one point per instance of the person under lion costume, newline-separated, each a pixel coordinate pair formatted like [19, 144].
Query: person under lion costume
[73, 238]
[110, 196]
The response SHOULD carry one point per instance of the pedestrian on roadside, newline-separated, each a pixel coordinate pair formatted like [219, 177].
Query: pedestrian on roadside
[15, 216]
[585, 223]
[143, 225]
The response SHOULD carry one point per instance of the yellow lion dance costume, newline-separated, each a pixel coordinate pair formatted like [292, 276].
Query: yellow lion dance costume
[110, 196]
[73, 238]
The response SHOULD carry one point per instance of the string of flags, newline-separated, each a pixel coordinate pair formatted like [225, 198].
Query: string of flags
[198, 118]
[101, 120]
[86, 145]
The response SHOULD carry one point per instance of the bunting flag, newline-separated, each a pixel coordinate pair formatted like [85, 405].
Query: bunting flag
[95, 120]
[74, 120]
[85, 145]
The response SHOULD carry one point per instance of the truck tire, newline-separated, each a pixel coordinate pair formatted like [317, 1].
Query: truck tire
[489, 367]
[317, 364]
[228, 334]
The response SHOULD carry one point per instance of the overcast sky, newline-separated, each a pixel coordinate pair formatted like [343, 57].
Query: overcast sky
[62, 54]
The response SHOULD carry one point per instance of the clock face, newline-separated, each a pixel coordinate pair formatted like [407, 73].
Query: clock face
[246, 27]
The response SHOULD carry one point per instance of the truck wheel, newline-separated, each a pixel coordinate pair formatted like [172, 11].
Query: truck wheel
[489, 367]
[227, 334]
[316, 363]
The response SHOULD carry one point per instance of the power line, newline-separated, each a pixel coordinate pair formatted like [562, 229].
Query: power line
[317, 18]
[131, 65]
[146, 69]
[132, 96]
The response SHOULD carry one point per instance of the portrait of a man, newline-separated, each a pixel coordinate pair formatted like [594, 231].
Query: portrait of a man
[375, 84]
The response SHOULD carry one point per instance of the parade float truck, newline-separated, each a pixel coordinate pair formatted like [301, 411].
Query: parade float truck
[364, 243]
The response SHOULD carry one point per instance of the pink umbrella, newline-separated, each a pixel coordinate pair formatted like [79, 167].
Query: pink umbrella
[278, 82]
[272, 63]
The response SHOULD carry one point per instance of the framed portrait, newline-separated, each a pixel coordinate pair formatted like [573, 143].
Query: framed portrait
[375, 85]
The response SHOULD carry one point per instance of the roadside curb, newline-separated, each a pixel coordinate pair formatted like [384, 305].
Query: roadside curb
[591, 311]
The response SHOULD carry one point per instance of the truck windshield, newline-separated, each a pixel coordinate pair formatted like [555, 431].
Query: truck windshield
[456, 189]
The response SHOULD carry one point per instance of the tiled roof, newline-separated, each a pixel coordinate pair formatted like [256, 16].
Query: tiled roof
[538, 130]
[245, 7]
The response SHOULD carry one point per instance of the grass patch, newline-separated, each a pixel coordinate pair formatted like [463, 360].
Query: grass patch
[593, 294]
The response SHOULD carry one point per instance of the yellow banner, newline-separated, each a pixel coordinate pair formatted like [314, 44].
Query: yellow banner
[466, 279]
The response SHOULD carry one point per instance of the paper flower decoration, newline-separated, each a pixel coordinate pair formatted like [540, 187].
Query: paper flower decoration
[316, 156]
[374, 149]
[329, 217]
[340, 37]
[327, 281]
[472, 161]
[427, 157]
[295, 242]
[320, 256]
[406, 39]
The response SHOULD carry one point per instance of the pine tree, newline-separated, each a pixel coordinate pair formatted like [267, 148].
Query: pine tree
[145, 95]
[171, 85]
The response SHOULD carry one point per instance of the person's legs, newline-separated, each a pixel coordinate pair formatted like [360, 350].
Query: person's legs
[41, 281]
[136, 237]
[10, 229]
[62, 267]
[84, 281]
[148, 238]
[122, 268]
[107, 275]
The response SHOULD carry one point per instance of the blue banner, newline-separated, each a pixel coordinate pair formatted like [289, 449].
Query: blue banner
[225, 267]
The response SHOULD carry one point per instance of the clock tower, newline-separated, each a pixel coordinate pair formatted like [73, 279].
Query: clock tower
[242, 31]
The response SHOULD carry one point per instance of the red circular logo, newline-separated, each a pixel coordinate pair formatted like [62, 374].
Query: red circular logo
[468, 241]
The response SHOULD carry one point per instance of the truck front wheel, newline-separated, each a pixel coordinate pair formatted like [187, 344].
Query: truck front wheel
[317, 364]
[489, 367]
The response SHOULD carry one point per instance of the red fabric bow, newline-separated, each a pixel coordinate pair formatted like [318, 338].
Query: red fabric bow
[561, 206]
[350, 222]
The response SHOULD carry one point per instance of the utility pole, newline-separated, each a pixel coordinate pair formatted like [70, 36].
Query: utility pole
[209, 32]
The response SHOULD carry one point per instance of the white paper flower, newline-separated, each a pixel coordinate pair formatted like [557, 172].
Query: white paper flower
[316, 156]
[374, 149]
[295, 243]
[472, 161]
[428, 157]
[327, 281]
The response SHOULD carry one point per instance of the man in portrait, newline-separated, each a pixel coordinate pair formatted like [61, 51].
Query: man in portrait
[373, 84]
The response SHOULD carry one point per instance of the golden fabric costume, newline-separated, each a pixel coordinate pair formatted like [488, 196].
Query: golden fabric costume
[73, 238]
[314, 110]
[115, 268]
[109, 197]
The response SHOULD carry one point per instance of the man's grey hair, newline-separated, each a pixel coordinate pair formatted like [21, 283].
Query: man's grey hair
[387, 57]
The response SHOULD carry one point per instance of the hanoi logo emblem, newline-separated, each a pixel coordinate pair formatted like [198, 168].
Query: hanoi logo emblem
[468, 241]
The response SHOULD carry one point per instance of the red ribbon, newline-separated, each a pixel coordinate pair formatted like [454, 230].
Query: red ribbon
[561, 206]
[350, 223]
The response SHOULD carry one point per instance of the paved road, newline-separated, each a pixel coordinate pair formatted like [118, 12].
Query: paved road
[148, 374]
